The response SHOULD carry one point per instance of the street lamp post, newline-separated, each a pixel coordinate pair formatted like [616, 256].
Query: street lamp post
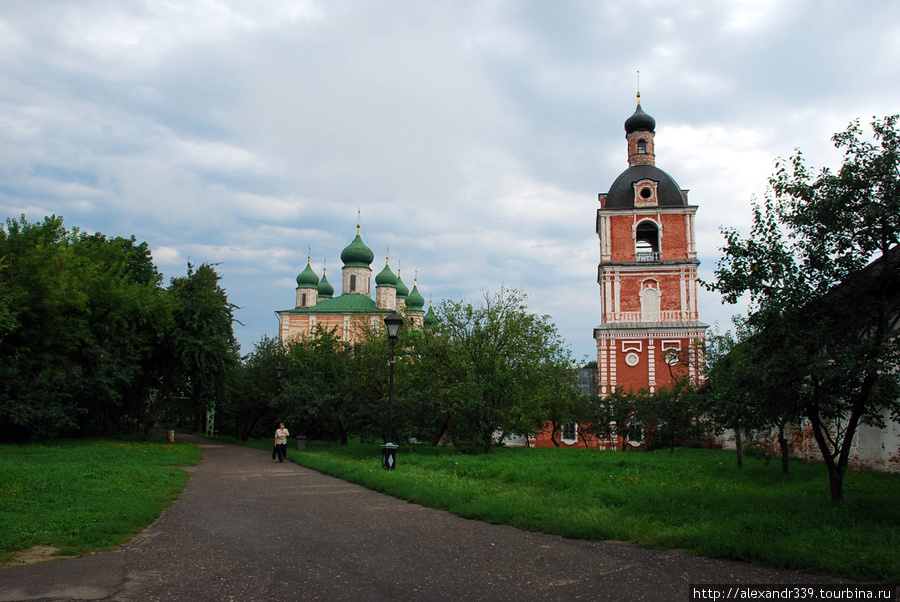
[389, 450]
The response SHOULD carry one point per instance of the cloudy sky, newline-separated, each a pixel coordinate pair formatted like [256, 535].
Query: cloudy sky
[471, 137]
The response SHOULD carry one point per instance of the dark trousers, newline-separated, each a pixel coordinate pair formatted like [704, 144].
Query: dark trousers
[281, 450]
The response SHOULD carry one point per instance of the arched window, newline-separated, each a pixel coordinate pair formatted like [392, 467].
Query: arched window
[650, 305]
[353, 282]
[646, 242]
[642, 147]
[570, 433]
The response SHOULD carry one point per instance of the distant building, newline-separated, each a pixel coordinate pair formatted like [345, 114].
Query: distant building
[353, 313]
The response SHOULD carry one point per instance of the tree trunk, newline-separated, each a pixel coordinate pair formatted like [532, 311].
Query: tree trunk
[842, 445]
[782, 442]
[488, 438]
[437, 440]
[553, 432]
[836, 479]
[835, 472]
[739, 447]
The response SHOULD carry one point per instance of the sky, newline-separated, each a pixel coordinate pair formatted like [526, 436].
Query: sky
[470, 138]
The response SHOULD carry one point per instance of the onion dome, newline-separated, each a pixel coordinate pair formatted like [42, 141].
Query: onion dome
[386, 277]
[430, 320]
[357, 254]
[326, 291]
[307, 278]
[639, 121]
[402, 289]
[415, 301]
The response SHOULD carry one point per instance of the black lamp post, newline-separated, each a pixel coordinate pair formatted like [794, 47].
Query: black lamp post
[389, 450]
[279, 372]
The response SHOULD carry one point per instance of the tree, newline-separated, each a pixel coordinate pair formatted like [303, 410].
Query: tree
[318, 386]
[79, 315]
[821, 270]
[249, 408]
[670, 415]
[491, 369]
[733, 384]
[611, 417]
[197, 352]
[750, 390]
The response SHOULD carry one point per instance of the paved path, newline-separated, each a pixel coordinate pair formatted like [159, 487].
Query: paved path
[247, 528]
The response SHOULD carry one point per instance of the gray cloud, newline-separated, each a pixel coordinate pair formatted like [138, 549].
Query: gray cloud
[473, 137]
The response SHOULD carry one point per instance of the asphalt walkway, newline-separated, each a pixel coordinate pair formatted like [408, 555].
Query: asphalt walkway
[248, 528]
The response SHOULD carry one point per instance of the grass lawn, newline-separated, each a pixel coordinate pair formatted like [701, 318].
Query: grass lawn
[83, 496]
[80, 496]
[695, 500]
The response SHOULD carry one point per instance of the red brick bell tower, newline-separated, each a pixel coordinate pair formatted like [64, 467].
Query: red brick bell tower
[647, 274]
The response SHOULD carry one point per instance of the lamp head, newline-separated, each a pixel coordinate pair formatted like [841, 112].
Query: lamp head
[393, 322]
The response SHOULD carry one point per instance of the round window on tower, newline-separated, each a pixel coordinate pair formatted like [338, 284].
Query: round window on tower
[646, 193]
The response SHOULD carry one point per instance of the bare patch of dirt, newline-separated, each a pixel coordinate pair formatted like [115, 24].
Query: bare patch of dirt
[31, 556]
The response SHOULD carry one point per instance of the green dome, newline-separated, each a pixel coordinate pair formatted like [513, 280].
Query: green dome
[307, 278]
[325, 289]
[386, 277]
[415, 301]
[430, 320]
[402, 289]
[357, 254]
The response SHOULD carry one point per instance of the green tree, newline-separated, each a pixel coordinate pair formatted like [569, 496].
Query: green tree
[367, 383]
[558, 402]
[196, 352]
[750, 390]
[250, 409]
[804, 267]
[671, 415]
[491, 369]
[613, 416]
[203, 343]
[78, 317]
[317, 388]
[7, 323]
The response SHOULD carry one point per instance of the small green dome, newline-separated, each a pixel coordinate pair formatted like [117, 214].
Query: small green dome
[430, 320]
[307, 278]
[402, 289]
[386, 277]
[415, 301]
[357, 254]
[326, 291]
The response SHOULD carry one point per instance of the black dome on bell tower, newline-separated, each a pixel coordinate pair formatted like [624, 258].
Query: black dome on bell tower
[640, 121]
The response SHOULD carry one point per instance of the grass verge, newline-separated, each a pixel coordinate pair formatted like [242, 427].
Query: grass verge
[695, 500]
[81, 496]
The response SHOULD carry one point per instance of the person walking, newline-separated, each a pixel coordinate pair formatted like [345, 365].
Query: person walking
[281, 436]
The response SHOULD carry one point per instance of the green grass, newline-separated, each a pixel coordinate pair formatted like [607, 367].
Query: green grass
[695, 500]
[82, 496]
